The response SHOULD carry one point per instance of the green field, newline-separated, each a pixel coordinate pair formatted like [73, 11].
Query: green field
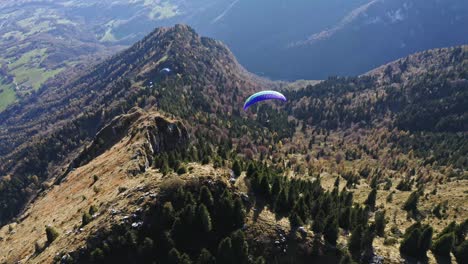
[33, 56]
[27, 69]
[7, 94]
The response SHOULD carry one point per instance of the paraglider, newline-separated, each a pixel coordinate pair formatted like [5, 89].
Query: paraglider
[262, 96]
[165, 70]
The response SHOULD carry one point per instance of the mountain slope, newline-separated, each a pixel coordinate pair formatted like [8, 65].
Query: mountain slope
[301, 180]
[105, 182]
[201, 68]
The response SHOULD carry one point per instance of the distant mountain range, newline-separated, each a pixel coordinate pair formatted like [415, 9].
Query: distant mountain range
[276, 39]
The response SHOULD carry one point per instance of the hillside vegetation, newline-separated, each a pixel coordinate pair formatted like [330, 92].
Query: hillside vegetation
[350, 169]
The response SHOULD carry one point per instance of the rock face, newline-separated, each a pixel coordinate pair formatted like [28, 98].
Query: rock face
[147, 134]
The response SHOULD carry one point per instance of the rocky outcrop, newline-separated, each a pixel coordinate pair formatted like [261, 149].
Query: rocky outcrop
[146, 134]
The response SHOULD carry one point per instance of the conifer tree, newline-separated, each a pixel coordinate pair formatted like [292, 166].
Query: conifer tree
[275, 188]
[425, 241]
[409, 245]
[371, 199]
[295, 220]
[344, 218]
[205, 257]
[225, 254]
[206, 197]
[250, 170]
[51, 234]
[240, 247]
[238, 213]
[461, 252]
[236, 168]
[167, 216]
[411, 204]
[330, 232]
[174, 256]
[85, 219]
[366, 242]
[443, 245]
[185, 259]
[319, 222]
[259, 260]
[265, 187]
[346, 259]
[203, 219]
[354, 243]
[380, 223]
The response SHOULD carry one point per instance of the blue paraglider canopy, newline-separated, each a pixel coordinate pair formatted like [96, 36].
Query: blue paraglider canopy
[262, 96]
[166, 70]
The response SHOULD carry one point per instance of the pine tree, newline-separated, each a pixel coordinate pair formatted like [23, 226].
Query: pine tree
[265, 187]
[316, 245]
[148, 245]
[185, 259]
[282, 202]
[178, 232]
[85, 219]
[460, 232]
[179, 198]
[93, 209]
[206, 197]
[250, 170]
[366, 242]
[203, 219]
[238, 213]
[409, 245]
[344, 218]
[425, 241]
[224, 213]
[443, 245]
[330, 232]
[97, 255]
[295, 220]
[51, 234]
[165, 169]
[166, 242]
[275, 188]
[319, 222]
[346, 259]
[371, 199]
[205, 257]
[461, 252]
[354, 243]
[167, 216]
[240, 247]
[236, 168]
[337, 182]
[225, 254]
[380, 223]
[411, 204]
[174, 256]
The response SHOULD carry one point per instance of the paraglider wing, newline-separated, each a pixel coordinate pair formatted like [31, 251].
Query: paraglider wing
[262, 96]
[166, 70]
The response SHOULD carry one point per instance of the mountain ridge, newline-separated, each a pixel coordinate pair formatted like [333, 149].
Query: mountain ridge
[89, 101]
